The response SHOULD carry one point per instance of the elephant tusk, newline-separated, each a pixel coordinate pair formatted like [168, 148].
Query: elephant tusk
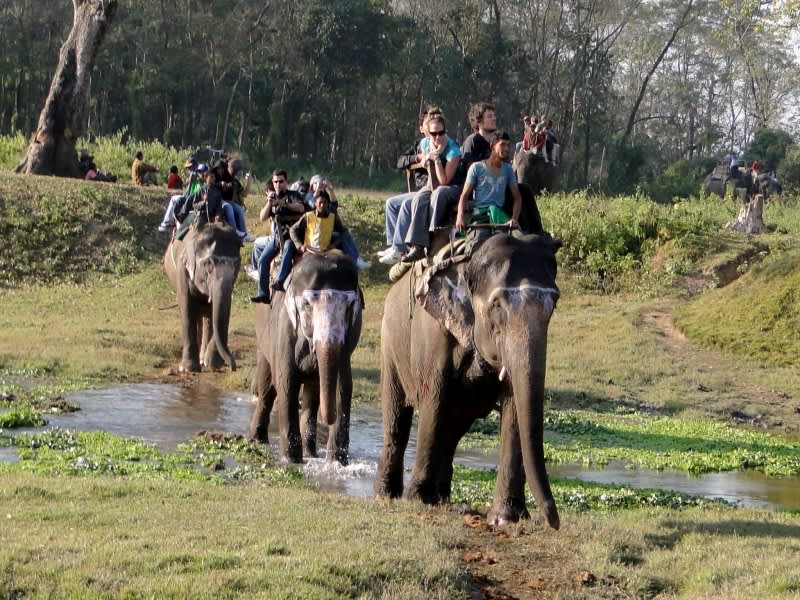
[503, 373]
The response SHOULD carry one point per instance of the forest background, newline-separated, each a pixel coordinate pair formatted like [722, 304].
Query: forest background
[643, 94]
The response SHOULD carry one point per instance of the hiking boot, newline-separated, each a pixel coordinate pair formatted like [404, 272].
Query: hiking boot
[259, 299]
[391, 257]
[416, 253]
[362, 264]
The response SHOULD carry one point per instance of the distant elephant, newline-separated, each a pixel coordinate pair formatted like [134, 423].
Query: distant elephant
[720, 180]
[305, 337]
[475, 336]
[766, 185]
[202, 268]
[532, 170]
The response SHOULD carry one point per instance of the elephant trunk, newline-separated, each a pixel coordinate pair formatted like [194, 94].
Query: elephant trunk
[527, 371]
[328, 355]
[221, 292]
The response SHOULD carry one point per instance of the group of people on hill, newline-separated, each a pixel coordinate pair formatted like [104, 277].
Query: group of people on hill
[477, 178]
[89, 170]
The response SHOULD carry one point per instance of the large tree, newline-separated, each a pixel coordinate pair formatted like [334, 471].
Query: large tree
[61, 122]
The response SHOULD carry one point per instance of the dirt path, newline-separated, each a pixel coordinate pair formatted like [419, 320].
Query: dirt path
[739, 396]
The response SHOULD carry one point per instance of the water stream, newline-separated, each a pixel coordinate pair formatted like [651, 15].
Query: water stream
[167, 415]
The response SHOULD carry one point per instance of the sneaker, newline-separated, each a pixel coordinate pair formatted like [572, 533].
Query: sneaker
[260, 299]
[416, 253]
[248, 238]
[251, 272]
[362, 264]
[384, 252]
[164, 228]
[277, 286]
[391, 257]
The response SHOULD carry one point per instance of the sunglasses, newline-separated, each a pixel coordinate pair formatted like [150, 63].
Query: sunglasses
[437, 133]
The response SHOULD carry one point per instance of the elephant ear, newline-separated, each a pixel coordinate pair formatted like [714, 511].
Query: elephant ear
[444, 294]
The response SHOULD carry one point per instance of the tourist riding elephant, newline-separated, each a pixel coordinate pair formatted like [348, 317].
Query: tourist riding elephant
[476, 335]
[305, 337]
[202, 268]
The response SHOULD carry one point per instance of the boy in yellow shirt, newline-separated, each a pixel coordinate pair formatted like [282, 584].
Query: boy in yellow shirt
[314, 231]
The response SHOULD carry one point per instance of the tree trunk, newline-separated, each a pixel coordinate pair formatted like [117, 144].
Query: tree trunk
[61, 122]
[750, 217]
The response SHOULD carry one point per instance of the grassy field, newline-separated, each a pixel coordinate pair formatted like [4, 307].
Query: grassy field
[667, 329]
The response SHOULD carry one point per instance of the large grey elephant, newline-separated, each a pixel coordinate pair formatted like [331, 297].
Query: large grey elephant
[202, 268]
[531, 169]
[305, 338]
[476, 335]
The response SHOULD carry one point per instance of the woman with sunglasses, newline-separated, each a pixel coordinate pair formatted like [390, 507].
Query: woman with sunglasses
[441, 155]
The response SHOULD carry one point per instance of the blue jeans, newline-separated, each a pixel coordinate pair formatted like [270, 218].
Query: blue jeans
[265, 249]
[286, 261]
[234, 216]
[428, 211]
[398, 219]
[348, 245]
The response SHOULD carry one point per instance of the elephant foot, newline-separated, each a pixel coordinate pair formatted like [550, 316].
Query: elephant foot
[189, 367]
[340, 456]
[422, 492]
[507, 512]
[388, 485]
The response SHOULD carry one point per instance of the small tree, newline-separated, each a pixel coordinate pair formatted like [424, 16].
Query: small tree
[61, 122]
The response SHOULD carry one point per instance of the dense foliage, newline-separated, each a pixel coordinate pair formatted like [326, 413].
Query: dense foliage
[632, 87]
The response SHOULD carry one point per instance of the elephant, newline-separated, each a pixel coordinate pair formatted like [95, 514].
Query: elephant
[720, 180]
[306, 337]
[202, 268]
[476, 335]
[531, 169]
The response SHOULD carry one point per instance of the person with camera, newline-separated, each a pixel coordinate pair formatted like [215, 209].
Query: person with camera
[284, 207]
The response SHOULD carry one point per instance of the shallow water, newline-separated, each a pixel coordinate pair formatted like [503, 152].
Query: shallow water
[167, 415]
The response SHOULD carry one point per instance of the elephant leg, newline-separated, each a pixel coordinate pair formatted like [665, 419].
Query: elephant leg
[212, 358]
[288, 392]
[264, 391]
[308, 419]
[396, 431]
[456, 428]
[339, 432]
[509, 490]
[432, 428]
[190, 359]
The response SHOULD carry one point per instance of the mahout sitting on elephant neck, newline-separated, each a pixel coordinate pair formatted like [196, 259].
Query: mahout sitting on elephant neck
[444, 350]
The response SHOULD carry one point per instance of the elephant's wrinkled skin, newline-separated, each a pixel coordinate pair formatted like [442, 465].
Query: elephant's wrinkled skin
[204, 300]
[478, 322]
[305, 337]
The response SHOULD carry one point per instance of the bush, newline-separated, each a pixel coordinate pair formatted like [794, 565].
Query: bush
[681, 179]
[789, 170]
[607, 240]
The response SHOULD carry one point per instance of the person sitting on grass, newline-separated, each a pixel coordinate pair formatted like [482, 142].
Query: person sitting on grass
[314, 231]
[488, 180]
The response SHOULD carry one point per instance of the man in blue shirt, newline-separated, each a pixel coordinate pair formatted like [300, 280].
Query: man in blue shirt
[486, 185]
